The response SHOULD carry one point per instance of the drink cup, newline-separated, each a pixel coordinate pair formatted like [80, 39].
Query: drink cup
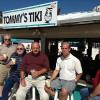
[32, 70]
[48, 83]
[5, 56]
[13, 60]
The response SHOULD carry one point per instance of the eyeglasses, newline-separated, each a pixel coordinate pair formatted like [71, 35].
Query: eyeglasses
[20, 49]
[7, 39]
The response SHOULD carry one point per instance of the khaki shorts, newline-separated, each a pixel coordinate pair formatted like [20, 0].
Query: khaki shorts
[3, 72]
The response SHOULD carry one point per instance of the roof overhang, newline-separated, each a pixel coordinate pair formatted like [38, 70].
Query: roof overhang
[78, 18]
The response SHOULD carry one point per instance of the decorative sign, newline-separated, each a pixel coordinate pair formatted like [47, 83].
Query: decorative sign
[35, 16]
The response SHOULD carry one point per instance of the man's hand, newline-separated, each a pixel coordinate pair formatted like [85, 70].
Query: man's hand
[23, 82]
[35, 74]
[10, 63]
[3, 57]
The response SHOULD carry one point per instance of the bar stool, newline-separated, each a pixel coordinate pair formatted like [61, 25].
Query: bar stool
[33, 93]
[56, 95]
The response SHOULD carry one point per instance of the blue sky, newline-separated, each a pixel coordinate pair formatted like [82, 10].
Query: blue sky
[66, 6]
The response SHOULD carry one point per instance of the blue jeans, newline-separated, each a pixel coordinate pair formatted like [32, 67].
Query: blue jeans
[8, 85]
[85, 92]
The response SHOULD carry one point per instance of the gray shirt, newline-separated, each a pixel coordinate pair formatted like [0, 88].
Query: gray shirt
[7, 50]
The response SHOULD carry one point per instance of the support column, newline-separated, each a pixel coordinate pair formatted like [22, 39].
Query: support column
[43, 40]
[89, 50]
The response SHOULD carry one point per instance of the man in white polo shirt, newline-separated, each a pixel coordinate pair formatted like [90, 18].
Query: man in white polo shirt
[69, 69]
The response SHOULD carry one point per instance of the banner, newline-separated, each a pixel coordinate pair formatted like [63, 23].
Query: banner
[35, 16]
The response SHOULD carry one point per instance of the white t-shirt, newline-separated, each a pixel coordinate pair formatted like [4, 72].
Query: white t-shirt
[68, 67]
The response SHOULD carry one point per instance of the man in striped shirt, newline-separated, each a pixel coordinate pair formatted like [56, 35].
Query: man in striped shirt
[14, 74]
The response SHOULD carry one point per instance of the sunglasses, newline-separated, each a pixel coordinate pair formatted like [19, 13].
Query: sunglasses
[20, 49]
[64, 48]
[7, 39]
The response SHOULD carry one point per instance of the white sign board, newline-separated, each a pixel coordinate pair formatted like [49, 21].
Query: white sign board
[35, 16]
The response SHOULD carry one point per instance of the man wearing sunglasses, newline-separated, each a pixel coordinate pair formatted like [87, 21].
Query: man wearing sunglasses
[6, 50]
[14, 74]
[36, 64]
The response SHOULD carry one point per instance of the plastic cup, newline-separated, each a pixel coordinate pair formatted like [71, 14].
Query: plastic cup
[13, 60]
[48, 83]
[32, 70]
[4, 55]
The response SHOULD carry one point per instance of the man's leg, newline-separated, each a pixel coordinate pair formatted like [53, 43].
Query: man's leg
[49, 91]
[40, 87]
[7, 88]
[84, 93]
[22, 91]
[55, 85]
[3, 75]
[1, 88]
[63, 94]
[67, 88]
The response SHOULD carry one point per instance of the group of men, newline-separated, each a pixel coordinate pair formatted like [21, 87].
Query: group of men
[33, 67]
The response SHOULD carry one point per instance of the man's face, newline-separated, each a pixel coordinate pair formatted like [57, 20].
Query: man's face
[20, 49]
[35, 48]
[65, 50]
[7, 39]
